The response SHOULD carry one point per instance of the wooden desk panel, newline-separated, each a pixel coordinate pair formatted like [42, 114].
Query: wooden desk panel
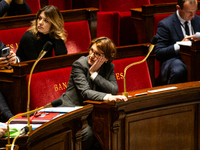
[163, 120]
[63, 132]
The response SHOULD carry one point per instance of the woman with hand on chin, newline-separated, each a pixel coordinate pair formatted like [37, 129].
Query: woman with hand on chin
[93, 78]
[48, 26]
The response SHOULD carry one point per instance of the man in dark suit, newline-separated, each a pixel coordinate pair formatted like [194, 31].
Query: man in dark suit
[93, 78]
[14, 7]
[180, 26]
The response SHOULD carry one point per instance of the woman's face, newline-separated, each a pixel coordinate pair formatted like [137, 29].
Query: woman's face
[43, 24]
[94, 54]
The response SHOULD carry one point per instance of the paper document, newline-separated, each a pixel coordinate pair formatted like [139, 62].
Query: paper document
[60, 109]
[185, 43]
[162, 89]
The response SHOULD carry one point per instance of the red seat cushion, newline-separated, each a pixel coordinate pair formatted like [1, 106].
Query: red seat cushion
[47, 86]
[61, 4]
[11, 37]
[78, 38]
[163, 1]
[121, 5]
[137, 76]
[157, 19]
[127, 29]
[108, 25]
[34, 5]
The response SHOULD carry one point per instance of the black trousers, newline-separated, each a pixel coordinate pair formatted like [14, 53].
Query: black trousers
[89, 141]
[4, 109]
[173, 71]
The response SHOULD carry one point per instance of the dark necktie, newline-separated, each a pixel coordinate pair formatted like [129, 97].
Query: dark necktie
[187, 28]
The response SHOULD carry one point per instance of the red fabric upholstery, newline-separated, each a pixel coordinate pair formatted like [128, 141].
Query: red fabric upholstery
[108, 25]
[11, 37]
[162, 1]
[121, 5]
[34, 5]
[137, 76]
[61, 4]
[124, 27]
[47, 86]
[127, 29]
[157, 19]
[78, 36]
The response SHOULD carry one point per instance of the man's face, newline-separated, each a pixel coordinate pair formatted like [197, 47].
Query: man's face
[188, 11]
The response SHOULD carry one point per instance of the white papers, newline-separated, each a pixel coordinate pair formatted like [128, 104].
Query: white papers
[60, 109]
[19, 126]
[185, 43]
[162, 89]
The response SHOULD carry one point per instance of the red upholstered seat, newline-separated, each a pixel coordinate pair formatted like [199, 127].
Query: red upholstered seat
[34, 5]
[127, 33]
[157, 19]
[47, 86]
[108, 25]
[121, 5]
[11, 37]
[78, 36]
[61, 4]
[137, 76]
[163, 1]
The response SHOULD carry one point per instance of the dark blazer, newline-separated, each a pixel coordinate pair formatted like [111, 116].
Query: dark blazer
[169, 32]
[81, 87]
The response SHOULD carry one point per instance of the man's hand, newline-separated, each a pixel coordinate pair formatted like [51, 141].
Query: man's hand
[19, 1]
[188, 38]
[8, 1]
[98, 63]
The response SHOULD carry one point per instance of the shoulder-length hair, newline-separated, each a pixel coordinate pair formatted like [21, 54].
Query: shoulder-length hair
[55, 17]
[107, 46]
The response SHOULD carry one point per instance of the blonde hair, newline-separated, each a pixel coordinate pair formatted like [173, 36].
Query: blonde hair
[55, 17]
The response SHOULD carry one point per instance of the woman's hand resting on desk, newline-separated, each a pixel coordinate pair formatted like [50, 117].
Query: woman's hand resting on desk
[117, 98]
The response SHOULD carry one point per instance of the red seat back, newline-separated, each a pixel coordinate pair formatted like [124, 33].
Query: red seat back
[47, 86]
[108, 25]
[163, 1]
[137, 76]
[157, 19]
[78, 36]
[34, 5]
[11, 37]
[61, 4]
[121, 5]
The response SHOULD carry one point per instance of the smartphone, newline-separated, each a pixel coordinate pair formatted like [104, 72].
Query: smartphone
[5, 52]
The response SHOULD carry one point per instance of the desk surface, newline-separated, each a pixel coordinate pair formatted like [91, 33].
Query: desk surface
[148, 121]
